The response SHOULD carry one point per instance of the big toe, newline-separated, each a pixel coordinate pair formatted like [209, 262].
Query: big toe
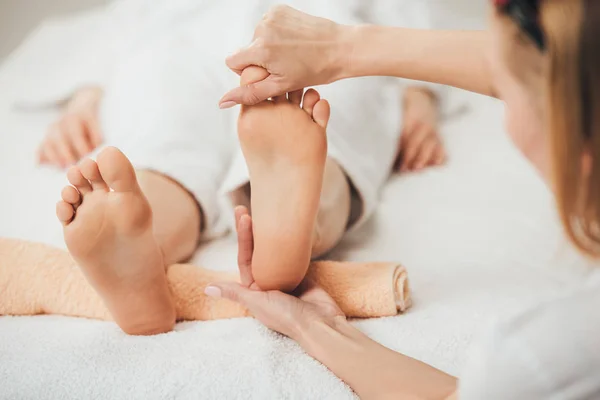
[116, 170]
[253, 74]
[321, 113]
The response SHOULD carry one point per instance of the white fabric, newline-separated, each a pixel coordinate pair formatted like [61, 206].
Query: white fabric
[160, 110]
[478, 236]
[161, 103]
[548, 352]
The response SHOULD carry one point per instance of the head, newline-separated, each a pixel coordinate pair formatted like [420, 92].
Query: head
[546, 69]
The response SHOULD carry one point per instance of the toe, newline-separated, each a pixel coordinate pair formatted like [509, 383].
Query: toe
[253, 74]
[117, 171]
[295, 97]
[89, 170]
[280, 99]
[311, 97]
[76, 179]
[64, 212]
[321, 113]
[70, 195]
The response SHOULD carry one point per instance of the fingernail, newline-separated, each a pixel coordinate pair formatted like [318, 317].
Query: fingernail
[212, 291]
[227, 104]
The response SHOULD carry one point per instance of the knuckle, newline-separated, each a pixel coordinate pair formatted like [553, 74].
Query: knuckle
[251, 98]
[259, 31]
[260, 42]
[53, 129]
[278, 10]
[70, 119]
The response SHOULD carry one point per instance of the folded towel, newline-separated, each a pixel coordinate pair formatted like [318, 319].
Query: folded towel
[39, 279]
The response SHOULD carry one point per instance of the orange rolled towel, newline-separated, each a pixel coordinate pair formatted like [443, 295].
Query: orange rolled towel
[39, 279]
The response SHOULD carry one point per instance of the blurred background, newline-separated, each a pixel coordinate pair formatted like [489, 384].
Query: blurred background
[19, 17]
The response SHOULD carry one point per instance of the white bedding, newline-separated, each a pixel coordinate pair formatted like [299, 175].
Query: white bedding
[479, 238]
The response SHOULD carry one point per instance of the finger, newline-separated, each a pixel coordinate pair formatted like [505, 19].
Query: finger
[398, 159]
[295, 97]
[413, 146]
[52, 154]
[253, 94]
[440, 155]
[62, 144]
[76, 131]
[41, 156]
[251, 299]
[46, 153]
[245, 250]
[426, 155]
[94, 131]
[239, 211]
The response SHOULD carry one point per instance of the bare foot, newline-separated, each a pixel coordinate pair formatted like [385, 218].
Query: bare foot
[109, 234]
[285, 147]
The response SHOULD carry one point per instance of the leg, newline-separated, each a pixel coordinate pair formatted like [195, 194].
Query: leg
[334, 209]
[176, 216]
[333, 214]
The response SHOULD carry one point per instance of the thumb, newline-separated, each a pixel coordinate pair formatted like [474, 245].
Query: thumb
[253, 93]
[235, 292]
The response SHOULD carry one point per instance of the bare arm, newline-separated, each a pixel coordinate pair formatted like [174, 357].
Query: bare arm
[300, 50]
[454, 58]
[372, 370]
[315, 321]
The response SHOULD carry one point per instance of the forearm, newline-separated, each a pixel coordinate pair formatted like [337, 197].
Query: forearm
[454, 58]
[371, 370]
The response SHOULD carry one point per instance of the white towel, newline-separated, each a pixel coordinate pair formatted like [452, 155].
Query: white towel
[479, 238]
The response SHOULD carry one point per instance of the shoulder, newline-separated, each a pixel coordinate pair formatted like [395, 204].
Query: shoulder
[542, 351]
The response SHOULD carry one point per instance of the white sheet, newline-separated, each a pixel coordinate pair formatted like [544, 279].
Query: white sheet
[479, 238]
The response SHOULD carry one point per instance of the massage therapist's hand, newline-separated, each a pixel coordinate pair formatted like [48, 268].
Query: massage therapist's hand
[297, 49]
[319, 326]
[280, 312]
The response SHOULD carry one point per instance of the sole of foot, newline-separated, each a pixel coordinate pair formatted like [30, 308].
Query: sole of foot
[108, 230]
[285, 146]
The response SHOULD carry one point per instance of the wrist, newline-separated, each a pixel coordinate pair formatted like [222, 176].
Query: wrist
[365, 47]
[346, 52]
[315, 336]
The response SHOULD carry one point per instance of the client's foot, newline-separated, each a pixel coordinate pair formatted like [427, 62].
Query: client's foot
[285, 147]
[109, 234]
